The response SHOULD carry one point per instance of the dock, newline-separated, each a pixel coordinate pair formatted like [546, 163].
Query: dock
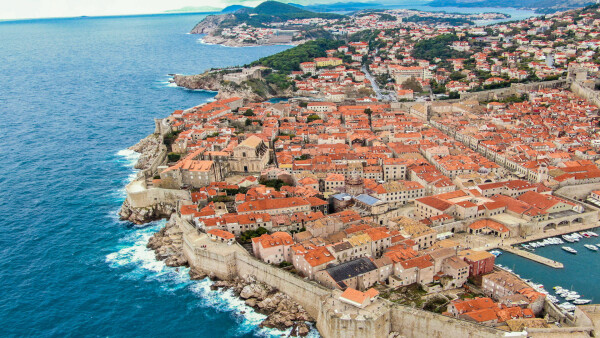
[531, 256]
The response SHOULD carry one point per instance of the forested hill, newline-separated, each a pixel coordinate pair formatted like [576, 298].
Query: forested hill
[289, 60]
[260, 16]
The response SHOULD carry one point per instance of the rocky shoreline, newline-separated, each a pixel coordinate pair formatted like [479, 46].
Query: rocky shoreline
[149, 149]
[281, 311]
[220, 40]
[213, 81]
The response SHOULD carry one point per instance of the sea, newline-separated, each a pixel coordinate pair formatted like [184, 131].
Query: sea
[580, 273]
[75, 93]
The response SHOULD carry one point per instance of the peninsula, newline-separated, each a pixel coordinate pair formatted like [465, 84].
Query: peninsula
[369, 200]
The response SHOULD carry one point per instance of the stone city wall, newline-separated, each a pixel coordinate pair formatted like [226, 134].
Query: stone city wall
[408, 322]
[587, 93]
[514, 89]
[139, 196]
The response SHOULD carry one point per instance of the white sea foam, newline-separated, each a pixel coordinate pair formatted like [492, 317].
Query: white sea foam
[139, 263]
[130, 156]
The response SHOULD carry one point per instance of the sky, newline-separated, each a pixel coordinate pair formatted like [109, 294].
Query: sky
[19, 9]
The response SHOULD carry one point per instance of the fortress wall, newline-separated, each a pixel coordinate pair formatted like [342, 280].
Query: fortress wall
[331, 324]
[160, 159]
[587, 93]
[308, 294]
[514, 89]
[389, 317]
[140, 197]
[411, 322]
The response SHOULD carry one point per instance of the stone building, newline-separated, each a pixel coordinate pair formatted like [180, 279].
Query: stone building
[358, 274]
[250, 156]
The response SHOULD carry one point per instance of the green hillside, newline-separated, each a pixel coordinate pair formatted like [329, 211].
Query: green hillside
[274, 11]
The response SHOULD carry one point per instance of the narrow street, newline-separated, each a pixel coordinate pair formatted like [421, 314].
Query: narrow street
[380, 96]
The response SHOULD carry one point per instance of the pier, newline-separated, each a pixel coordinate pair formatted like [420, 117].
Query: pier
[531, 256]
[507, 244]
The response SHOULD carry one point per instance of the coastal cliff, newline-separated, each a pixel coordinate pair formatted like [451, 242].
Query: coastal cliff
[152, 154]
[211, 24]
[149, 149]
[252, 90]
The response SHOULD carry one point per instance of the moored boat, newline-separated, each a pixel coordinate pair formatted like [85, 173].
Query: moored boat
[569, 249]
[591, 247]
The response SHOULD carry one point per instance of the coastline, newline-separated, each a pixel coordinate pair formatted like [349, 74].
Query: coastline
[281, 311]
[221, 41]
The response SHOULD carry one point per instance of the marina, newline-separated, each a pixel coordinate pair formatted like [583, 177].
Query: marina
[565, 287]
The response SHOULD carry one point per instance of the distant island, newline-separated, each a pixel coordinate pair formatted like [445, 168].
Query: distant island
[191, 9]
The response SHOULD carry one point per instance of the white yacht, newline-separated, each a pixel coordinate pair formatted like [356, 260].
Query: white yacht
[591, 247]
[569, 249]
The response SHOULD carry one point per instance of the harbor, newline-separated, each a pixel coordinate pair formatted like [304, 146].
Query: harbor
[562, 274]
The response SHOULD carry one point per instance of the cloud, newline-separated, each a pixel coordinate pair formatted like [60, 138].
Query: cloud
[66, 8]
[19, 9]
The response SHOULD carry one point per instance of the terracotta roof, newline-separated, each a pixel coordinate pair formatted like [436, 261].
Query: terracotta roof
[221, 233]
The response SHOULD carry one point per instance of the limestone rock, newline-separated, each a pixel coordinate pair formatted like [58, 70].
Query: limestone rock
[195, 274]
[211, 23]
[251, 302]
[253, 291]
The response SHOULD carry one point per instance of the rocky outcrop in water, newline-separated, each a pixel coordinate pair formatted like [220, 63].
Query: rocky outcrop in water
[281, 311]
[144, 215]
[148, 148]
[168, 245]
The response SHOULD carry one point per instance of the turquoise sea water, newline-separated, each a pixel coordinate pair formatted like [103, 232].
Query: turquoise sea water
[74, 93]
[581, 271]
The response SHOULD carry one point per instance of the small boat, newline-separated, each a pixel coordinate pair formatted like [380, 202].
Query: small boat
[568, 238]
[526, 247]
[569, 249]
[585, 234]
[496, 253]
[593, 234]
[591, 247]
[582, 301]
[572, 297]
[567, 306]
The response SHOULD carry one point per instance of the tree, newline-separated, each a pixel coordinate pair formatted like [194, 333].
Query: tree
[369, 113]
[413, 85]
[313, 117]
[249, 112]
[246, 236]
